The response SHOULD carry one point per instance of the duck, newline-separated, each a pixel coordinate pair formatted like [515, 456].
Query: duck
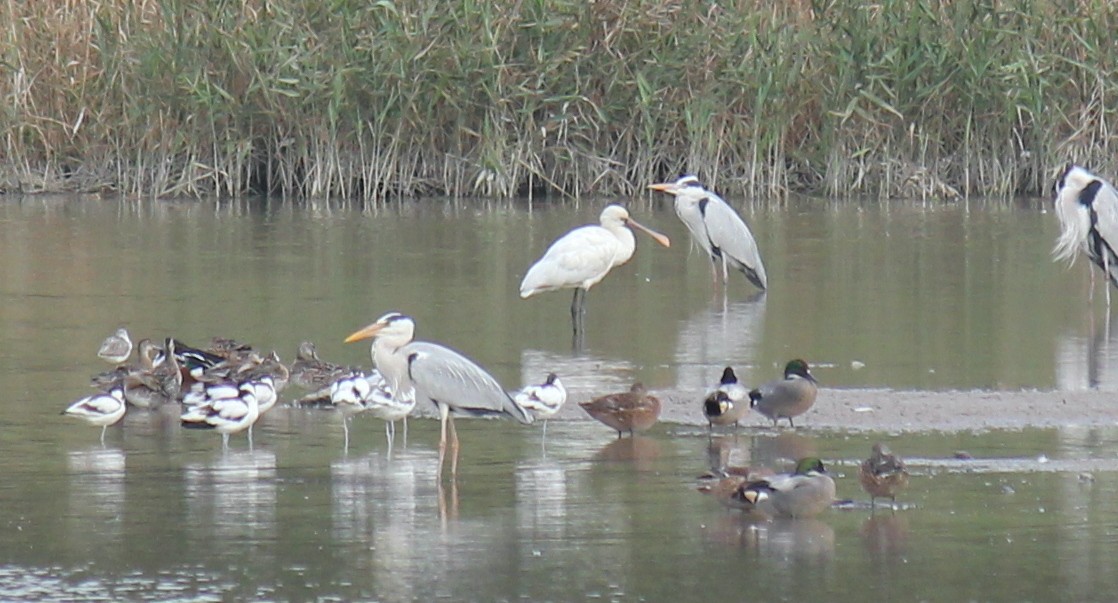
[310, 373]
[632, 411]
[786, 398]
[804, 493]
[116, 348]
[883, 474]
[726, 404]
[544, 399]
[155, 381]
[101, 409]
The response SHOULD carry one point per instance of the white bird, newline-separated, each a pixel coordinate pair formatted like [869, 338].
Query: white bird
[717, 228]
[449, 380]
[584, 256]
[544, 400]
[116, 348]
[102, 409]
[1087, 207]
[226, 408]
[370, 392]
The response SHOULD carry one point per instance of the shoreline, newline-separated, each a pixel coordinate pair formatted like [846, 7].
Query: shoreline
[883, 410]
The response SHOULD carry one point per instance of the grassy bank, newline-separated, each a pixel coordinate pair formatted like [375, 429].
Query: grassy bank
[373, 98]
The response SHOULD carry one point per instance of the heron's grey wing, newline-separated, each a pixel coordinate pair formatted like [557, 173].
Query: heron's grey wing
[729, 233]
[1105, 247]
[442, 375]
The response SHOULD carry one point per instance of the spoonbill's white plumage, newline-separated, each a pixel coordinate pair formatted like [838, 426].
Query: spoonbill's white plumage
[584, 256]
[438, 374]
[1087, 207]
[717, 228]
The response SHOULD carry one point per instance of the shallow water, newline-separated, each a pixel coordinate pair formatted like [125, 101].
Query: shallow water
[923, 297]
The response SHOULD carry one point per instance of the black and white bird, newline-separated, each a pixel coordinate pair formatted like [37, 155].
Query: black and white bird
[544, 399]
[717, 228]
[102, 409]
[1087, 207]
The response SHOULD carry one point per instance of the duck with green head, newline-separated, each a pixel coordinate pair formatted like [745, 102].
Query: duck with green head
[806, 492]
[789, 397]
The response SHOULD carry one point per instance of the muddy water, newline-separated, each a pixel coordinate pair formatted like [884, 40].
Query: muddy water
[903, 297]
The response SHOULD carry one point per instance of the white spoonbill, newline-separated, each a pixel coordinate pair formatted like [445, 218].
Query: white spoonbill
[717, 228]
[584, 256]
[1087, 207]
[449, 380]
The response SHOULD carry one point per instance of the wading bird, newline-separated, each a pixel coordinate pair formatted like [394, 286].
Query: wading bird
[1087, 207]
[449, 380]
[584, 256]
[789, 397]
[226, 408]
[717, 229]
[99, 409]
[544, 399]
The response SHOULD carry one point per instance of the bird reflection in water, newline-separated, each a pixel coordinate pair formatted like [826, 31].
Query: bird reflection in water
[639, 451]
[885, 535]
[239, 489]
[781, 541]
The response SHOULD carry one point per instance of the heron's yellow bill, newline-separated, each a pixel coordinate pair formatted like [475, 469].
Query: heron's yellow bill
[663, 187]
[365, 333]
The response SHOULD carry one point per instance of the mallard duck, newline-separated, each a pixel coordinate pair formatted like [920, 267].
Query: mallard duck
[632, 411]
[99, 409]
[786, 398]
[544, 400]
[883, 474]
[226, 408]
[806, 492]
[726, 404]
[116, 348]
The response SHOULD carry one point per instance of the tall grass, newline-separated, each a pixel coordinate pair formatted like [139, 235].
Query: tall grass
[371, 99]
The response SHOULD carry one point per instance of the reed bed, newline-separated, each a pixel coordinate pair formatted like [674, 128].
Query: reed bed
[371, 99]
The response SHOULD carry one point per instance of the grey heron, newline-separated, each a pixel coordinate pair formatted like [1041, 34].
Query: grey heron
[449, 380]
[786, 398]
[1087, 207]
[584, 256]
[717, 229]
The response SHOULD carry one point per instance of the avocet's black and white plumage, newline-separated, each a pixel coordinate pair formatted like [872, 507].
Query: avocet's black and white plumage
[717, 228]
[1087, 207]
[226, 407]
[102, 409]
[370, 392]
[544, 399]
[440, 375]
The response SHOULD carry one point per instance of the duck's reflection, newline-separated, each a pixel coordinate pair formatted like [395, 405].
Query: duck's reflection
[885, 535]
[639, 451]
[782, 541]
[96, 491]
[728, 333]
[236, 494]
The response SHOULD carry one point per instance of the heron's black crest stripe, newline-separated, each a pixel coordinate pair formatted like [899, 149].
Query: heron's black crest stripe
[1088, 194]
[1061, 181]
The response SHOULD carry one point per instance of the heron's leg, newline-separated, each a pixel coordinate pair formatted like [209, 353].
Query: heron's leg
[443, 413]
[454, 449]
[1106, 280]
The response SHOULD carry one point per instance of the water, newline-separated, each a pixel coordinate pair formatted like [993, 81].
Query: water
[925, 297]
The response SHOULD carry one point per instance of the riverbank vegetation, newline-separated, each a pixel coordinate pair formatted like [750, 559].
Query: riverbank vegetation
[365, 98]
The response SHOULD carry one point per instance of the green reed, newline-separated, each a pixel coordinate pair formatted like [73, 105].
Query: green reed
[373, 99]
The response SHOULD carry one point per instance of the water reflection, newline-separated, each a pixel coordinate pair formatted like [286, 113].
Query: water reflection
[541, 499]
[1089, 362]
[885, 535]
[584, 375]
[235, 495]
[96, 492]
[725, 333]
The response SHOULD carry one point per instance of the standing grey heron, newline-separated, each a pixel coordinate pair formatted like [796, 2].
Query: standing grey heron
[717, 228]
[452, 382]
[584, 256]
[1087, 207]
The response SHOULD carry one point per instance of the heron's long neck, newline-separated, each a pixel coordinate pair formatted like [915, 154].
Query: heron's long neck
[392, 362]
